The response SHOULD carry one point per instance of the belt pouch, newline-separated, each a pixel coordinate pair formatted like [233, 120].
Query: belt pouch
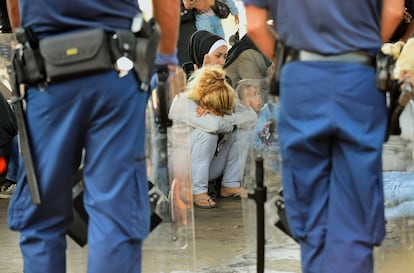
[74, 55]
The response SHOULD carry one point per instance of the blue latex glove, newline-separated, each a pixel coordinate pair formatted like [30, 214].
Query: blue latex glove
[160, 60]
[166, 59]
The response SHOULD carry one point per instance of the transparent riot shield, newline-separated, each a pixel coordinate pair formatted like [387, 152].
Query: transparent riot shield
[170, 246]
[396, 253]
[280, 251]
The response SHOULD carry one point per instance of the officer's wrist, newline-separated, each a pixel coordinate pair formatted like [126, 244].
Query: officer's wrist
[166, 59]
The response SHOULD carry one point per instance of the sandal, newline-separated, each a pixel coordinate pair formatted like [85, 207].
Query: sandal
[203, 201]
[231, 193]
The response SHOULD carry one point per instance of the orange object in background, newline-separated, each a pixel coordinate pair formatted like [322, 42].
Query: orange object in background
[3, 165]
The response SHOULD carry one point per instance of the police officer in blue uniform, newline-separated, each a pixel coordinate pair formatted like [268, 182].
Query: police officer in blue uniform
[104, 114]
[332, 124]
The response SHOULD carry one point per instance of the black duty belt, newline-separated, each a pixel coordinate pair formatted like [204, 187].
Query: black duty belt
[348, 57]
[85, 52]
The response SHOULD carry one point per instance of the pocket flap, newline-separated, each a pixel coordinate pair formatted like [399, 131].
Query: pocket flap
[73, 47]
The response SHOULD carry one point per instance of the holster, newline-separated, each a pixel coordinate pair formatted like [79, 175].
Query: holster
[140, 48]
[145, 50]
[280, 58]
[27, 63]
[384, 67]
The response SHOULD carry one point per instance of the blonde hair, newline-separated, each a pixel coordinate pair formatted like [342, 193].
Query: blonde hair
[208, 86]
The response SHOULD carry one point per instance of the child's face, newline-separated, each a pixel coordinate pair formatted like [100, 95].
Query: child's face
[253, 98]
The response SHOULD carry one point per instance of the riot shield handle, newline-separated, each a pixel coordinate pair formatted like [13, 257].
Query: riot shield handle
[161, 117]
[259, 196]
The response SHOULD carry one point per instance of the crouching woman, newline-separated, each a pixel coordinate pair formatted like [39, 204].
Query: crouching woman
[206, 110]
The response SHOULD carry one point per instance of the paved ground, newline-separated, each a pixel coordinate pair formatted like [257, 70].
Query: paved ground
[225, 242]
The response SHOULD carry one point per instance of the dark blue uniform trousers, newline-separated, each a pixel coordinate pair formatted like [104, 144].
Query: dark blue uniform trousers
[104, 114]
[331, 130]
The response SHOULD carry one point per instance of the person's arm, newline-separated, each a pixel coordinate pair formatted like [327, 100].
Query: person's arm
[233, 10]
[392, 12]
[211, 123]
[259, 31]
[245, 117]
[167, 15]
[14, 14]
[185, 111]
[232, 7]
[252, 65]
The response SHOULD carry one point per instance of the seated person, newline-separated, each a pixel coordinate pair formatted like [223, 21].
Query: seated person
[398, 173]
[245, 61]
[263, 135]
[250, 100]
[206, 48]
[250, 94]
[206, 110]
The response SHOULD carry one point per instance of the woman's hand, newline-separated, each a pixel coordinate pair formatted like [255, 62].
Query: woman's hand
[202, 111]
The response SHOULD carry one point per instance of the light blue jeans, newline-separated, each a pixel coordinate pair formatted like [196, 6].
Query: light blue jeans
[207, 164]
[210, 23]
[14, 161]
[399, 194]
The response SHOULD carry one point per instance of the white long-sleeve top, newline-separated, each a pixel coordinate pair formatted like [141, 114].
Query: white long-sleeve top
[184, 116]
[183, 112]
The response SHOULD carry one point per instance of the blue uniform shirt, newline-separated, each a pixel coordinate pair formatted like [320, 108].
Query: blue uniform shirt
[48, 17]
[327, 27]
